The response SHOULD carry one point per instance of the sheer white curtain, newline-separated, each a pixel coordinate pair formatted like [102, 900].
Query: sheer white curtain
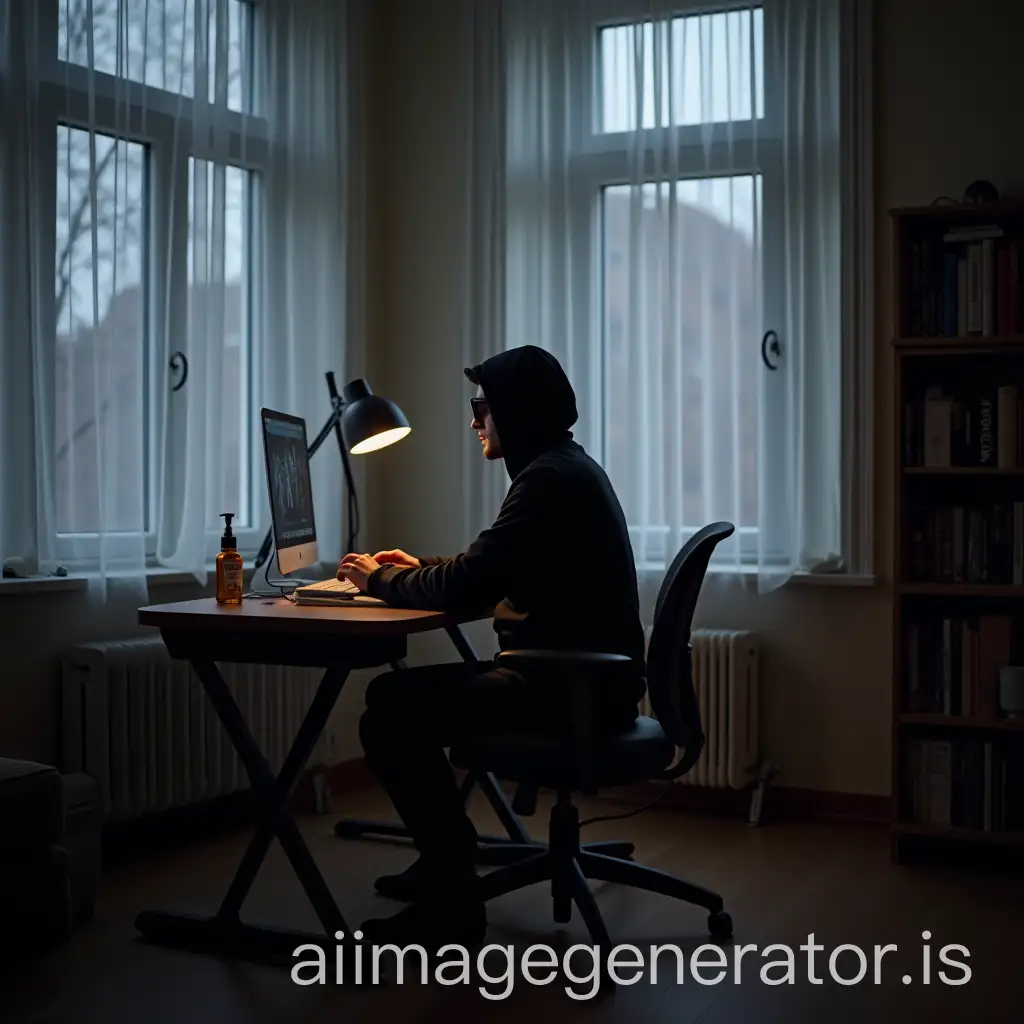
[176, 199]
[672, 183]
[312, 270]
[483, 295]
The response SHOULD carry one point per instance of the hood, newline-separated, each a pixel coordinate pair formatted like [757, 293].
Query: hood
[532, 402]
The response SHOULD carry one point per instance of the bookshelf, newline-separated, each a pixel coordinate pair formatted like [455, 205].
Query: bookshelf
[958, 346]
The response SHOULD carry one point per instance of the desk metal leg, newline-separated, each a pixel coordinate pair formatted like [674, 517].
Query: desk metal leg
[489, 852]
[225, 932]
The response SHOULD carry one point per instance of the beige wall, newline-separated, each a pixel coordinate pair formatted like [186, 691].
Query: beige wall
[947, 78]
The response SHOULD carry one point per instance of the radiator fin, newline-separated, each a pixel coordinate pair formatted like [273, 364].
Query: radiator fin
[141, 724]
[726, 681]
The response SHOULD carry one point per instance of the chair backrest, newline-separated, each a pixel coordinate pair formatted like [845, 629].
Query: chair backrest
[669, 668]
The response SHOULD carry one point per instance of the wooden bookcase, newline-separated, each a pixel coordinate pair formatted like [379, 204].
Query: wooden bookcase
[958, 339]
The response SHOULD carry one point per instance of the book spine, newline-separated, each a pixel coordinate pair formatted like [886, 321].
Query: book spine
[1006, 429]
[988, 291]
[950, 291]
[987, 430]
[938, 417]
[961, 297]
[974, 316]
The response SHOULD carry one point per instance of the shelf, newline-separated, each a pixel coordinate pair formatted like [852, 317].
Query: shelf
[974, 344]
[970, 835]
[957, 722]
[963, 211]
[959, 590]
[962, 471]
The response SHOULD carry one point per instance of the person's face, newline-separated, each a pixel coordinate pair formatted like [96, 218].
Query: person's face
[484, 426]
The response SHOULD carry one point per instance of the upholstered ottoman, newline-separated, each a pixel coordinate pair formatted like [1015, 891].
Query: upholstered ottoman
[35, 875]
[83, 839]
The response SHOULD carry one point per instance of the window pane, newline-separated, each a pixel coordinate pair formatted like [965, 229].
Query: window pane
[218, 273]
[100, 366]
[710, 69]
[156, 42]
[681, 287]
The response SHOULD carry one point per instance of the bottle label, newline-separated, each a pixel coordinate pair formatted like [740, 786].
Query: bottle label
[232, 576]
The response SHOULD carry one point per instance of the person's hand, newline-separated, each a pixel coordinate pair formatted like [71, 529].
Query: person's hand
[357, 568]
[396, 557]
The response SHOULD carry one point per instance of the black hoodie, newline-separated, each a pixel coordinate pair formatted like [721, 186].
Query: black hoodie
[557, 564]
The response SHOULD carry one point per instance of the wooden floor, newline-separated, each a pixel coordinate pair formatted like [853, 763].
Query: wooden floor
[780, 882]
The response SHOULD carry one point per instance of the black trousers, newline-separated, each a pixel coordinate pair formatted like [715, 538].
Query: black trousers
[413, 714]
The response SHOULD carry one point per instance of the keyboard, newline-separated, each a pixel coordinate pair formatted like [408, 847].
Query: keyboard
[331, 592]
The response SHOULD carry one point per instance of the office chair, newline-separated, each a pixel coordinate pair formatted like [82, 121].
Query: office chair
[583, 762]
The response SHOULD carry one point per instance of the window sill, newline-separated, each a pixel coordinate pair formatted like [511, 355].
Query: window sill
[835, 579]
[813, 579]
[155, 577]
[160, 577]
[809, 579]
[41, 585]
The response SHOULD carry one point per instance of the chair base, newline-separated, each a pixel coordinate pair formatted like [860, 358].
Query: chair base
[496, 851]
[567, 866]
[491, 851]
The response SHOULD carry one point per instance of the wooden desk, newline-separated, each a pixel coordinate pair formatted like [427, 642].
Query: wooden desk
[275, 631]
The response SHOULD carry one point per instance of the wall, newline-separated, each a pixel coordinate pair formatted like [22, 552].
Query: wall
[36, 629]
[946, 75]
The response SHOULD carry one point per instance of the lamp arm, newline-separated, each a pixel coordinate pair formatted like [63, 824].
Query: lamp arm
[333, 423]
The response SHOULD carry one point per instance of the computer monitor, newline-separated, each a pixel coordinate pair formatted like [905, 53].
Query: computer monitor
[290, 490]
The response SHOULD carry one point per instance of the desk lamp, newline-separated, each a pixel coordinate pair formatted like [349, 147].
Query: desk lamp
[362, 422]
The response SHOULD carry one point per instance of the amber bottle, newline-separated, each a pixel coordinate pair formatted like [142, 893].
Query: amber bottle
[229, 566]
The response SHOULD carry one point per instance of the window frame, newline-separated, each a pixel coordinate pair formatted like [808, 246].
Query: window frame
[601, 159]
[171, 139]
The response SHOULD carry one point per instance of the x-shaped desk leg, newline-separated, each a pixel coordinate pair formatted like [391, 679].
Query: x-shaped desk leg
[225, 932]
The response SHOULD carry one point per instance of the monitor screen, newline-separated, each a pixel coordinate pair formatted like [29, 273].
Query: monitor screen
[288, 483]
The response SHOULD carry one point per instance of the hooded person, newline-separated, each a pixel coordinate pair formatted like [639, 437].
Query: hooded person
[557, 568]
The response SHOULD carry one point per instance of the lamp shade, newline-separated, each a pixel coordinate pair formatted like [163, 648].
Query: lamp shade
[370, 422]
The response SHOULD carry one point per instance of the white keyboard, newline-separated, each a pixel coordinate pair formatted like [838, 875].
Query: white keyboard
[330, 592]
[328, 588]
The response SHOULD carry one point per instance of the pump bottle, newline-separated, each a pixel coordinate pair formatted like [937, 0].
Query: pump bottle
[229, 566]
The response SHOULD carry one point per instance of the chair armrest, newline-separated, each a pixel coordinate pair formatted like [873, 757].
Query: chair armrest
[592, 662]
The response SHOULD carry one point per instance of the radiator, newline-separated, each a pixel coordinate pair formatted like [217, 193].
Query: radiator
[727, 684]
[140, 723]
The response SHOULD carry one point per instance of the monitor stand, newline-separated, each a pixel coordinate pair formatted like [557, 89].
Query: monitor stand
[261, 585]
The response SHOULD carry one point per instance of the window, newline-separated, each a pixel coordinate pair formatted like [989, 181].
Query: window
[713, 220]
[155, 254]
[101, 224]
[221, 201]
[678, 265]
[697, 185]
[704, 68]
[157, 43]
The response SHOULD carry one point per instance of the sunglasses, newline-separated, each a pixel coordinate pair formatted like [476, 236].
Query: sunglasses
[480, 408]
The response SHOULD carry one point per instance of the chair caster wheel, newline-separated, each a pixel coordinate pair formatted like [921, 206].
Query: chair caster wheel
[720, 925]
